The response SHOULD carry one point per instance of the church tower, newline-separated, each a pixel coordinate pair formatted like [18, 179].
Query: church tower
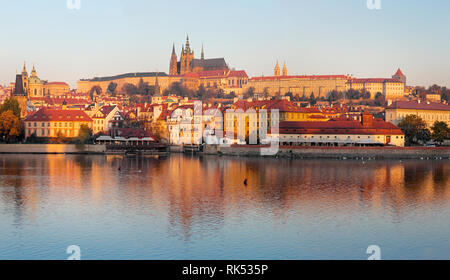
[284, 70]
[25, 79]
[33, 73]
[173, 69]
[399, 76]
[187, 56]
[276, 71]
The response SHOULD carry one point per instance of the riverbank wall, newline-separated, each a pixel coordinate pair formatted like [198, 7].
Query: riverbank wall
[334, 152]
[253, 151]
[51, 149]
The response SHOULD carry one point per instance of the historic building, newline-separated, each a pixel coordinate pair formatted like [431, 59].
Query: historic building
[321, 85]
[340, 132]
[390, 88]
[158, 79]
[303, 85]
[227, 80]
[28, 87]
[52, 123]
[189, 64]
[430, 112]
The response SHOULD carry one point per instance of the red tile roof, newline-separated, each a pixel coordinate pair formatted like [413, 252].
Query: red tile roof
[57, 83]
[414, 105]
[399, 73]
[340, 126]
[55, 115]
[309, 77]
[374, 80]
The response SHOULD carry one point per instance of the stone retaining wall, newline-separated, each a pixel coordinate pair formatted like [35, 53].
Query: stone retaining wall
[336, 152]
[51, 149]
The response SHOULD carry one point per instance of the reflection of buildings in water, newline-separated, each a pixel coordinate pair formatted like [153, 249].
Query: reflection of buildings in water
[202, 191]
[194, 195]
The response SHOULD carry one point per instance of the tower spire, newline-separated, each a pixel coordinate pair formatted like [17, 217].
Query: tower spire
[188, 47]
[173, 48]
[203, 53]
[284, 70]
[276, 71]
[24, 71]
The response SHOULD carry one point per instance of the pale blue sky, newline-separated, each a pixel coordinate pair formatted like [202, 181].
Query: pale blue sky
[107, 37]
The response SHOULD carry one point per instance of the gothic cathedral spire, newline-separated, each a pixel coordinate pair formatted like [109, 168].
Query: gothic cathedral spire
[173, 68]
[203, 53]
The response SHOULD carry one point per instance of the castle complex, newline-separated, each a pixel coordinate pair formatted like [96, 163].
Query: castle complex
[214, 73]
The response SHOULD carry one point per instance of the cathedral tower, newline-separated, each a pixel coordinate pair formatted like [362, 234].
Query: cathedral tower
[187, 56]
[173, 69]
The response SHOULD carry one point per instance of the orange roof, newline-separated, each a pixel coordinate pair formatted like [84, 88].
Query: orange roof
[374, 80]
[57, 83]
[340, 126]
[399, 73]
[56, 115]
[310, 77]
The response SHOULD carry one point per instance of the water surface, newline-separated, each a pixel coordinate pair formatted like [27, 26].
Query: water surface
[184, 207]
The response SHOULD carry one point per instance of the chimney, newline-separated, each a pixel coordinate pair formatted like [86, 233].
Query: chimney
[367, 119]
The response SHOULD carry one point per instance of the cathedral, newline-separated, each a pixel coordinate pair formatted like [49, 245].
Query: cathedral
[189, 64]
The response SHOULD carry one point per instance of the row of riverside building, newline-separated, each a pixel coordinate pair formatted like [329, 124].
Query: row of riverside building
[178, 121]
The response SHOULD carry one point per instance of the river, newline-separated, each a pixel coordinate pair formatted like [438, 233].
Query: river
[189, 207]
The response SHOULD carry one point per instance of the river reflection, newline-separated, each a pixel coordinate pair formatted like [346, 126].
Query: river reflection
[198, 207]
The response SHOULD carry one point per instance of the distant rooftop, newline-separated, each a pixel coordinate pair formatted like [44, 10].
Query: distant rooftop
[128, 75]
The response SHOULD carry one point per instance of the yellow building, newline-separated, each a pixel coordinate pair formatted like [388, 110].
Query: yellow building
[278, 84]
[86, 85]
[227, 80]
[342, 132]
[430, 112]
[56, 123]
[244, 120]
[390, 88]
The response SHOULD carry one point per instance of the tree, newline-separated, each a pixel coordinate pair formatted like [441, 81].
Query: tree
[95, 90]
[334, 96]
[290, 95]
[380, 100]
[112, 88]
[84, 134]
[415, 129]
[129, 89]
[249, 93]
[441, 132]
[312, 99]
[11, 104]
[10, 126]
